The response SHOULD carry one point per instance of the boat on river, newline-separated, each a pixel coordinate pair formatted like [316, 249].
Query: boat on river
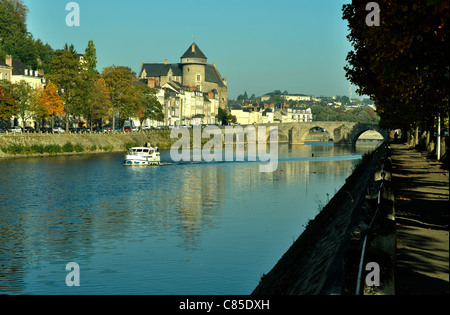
[142, 156]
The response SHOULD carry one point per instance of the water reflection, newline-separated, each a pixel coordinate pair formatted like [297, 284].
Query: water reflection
[178, 222]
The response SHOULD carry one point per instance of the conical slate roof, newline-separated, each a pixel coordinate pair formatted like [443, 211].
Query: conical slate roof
[193, 52]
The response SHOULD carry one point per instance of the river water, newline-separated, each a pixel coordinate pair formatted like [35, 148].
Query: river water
[180, 228]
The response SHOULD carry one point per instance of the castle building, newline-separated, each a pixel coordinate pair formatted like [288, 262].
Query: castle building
[193, 73]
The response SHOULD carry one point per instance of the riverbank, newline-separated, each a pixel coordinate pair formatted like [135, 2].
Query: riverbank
[42, 144]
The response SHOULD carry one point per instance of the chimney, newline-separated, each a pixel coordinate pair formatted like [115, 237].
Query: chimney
[40, 72]
[151, 83]
[8, 60]
[193, 48]
[165, 61]
[214, 64]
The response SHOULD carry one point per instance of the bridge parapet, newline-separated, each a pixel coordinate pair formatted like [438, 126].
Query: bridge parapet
[341, 132]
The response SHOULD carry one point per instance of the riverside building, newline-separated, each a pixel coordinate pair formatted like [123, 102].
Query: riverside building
[191, 91]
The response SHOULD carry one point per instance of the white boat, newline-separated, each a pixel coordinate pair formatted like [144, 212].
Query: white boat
[142, 156]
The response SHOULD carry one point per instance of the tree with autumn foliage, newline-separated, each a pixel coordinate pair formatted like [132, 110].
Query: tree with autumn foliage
[8, 107]
[402, 63]
[51, 102]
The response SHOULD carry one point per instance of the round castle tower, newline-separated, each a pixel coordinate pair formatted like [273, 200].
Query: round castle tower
[193, 62]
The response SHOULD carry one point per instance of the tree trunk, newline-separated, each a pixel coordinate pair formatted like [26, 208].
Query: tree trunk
[416, 136]
[67, 122]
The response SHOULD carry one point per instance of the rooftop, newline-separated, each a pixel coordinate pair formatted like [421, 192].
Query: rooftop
[194, 52]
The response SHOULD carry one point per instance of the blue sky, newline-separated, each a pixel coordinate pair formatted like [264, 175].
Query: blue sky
[259, 46]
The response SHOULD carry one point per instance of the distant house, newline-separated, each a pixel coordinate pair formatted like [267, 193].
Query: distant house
[5, 70]
[15, 70]
[247, 117]
[289, 97]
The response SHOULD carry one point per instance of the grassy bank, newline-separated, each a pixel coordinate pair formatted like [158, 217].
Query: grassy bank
[43, 144]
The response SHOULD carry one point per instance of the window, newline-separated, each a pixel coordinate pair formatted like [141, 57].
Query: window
[198, 77]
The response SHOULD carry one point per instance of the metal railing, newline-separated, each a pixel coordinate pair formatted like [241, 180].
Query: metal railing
[361, 262]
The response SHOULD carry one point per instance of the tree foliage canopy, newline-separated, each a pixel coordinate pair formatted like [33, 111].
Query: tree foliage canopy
[403, 63]
[51, 101]
[148, 105]
[8, 106]
[15, 38]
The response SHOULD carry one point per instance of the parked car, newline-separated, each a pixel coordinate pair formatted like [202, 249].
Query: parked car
[15, 129]
[107, 129]
[45, 130]
[126, 129]
[2, 130]
[58, 130]
[29, 129]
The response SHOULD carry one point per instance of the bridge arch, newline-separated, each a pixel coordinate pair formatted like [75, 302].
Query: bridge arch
[359, 129]
[336, 130]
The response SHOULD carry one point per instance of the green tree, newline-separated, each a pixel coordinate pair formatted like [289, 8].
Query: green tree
[222, 116]
[13, 15]
[66, 73]
[148, 106]
[45, 53]
[70, 48]
[90, 56]
[119, 81]
[276, 99]
[99, 105]
[15, 38]
[345, 100]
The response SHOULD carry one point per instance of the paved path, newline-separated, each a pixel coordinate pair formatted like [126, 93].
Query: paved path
[421, 188]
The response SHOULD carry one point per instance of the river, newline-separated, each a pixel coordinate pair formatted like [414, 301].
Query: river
[180, 228]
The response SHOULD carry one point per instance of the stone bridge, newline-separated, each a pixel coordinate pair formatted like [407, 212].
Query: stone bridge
[340, 132]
